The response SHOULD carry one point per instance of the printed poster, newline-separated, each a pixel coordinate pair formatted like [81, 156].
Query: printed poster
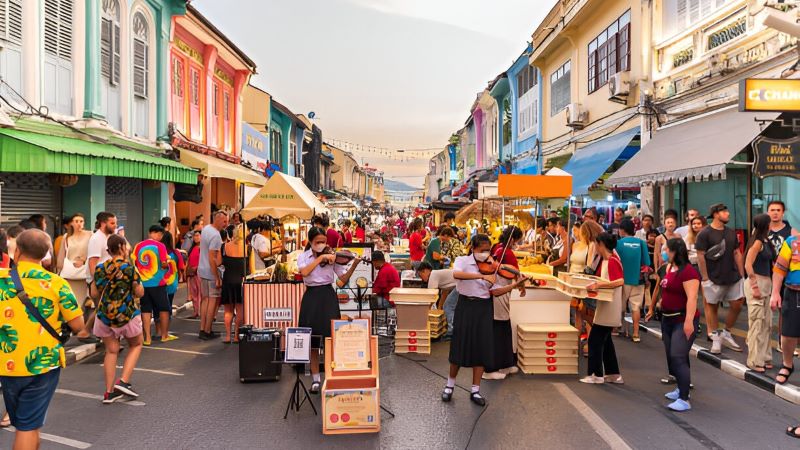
[351, 345]
[351, 408]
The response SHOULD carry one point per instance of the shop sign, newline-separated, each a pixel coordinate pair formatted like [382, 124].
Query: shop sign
[776, 157]
[769, 94]
[727, 34]
[255, 148]
[277, 314]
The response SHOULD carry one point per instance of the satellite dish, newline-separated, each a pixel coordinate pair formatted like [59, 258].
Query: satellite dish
[312, 114]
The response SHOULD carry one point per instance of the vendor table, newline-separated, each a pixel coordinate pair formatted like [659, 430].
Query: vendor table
[273, 305]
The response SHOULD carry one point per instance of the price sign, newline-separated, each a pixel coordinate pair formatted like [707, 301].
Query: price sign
[277, 314]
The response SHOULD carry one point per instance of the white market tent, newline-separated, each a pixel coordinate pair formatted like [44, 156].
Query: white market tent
[283, 196]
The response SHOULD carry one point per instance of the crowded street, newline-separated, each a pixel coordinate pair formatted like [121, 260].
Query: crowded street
[268, 224]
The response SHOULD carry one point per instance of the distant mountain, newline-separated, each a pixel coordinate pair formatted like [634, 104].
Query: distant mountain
[392, 185]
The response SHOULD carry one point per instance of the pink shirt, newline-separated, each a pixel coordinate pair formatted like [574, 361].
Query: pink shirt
[334, 238]
[320, 276]
[194, 257]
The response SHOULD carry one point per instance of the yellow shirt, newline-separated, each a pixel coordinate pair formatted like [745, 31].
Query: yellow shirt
[26, 348]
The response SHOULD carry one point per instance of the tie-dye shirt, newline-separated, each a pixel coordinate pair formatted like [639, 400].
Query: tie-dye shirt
[176, 266]
[151, 260]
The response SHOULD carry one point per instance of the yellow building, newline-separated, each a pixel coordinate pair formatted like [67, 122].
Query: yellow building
[592, 61]
[348, 175]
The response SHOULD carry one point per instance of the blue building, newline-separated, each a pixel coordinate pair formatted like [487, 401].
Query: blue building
[518, 96]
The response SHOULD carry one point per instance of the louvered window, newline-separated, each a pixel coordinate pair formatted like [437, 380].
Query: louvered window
[11, 20]
[110, 42]
[140, 55]
[679, 15]
[58, 28]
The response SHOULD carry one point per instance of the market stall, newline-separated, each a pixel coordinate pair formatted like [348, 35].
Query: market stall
[267, 302]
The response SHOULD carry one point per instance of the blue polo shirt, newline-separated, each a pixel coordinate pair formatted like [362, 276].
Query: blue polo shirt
[633, 254]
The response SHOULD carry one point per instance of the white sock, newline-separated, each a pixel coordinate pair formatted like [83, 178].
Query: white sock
[475, 388]
[315, 377]
[451, 382]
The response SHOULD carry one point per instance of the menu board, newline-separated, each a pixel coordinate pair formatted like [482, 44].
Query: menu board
[350, 345]
[351, 408]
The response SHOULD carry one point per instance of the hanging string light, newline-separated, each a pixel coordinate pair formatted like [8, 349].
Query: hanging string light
[402, 155]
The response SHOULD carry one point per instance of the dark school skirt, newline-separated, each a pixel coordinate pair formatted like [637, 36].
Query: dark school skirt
[473, 333]
[504, 355]
[318, 307]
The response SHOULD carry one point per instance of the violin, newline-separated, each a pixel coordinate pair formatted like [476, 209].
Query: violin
[492, 267]
[342, 257]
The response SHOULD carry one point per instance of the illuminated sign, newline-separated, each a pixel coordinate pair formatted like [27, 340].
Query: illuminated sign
[769, 94]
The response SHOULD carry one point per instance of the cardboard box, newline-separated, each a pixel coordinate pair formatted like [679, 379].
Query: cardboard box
[413, 349]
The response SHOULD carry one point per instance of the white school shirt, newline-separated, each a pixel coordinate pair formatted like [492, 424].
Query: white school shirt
[320, 276]
[470, 288]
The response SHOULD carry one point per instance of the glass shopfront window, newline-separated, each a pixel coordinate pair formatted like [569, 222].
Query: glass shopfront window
[785, 189]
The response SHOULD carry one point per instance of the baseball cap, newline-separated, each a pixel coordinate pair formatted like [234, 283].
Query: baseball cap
[716, 208]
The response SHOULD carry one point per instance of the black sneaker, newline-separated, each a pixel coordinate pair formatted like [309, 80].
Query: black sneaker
[111, 397]
[125, 388]
[204, 336]
[314, 387]
[213, 334]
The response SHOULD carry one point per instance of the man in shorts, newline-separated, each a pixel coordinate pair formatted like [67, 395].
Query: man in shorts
[208, 271]
[634, 256]
[152, 261]
[30, 382]
[722, 268]
[786, 298]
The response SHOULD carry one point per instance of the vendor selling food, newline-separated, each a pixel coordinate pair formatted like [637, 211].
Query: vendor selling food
[319, 306]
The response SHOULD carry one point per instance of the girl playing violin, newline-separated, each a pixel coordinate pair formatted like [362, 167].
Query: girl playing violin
[473, 336]
[320, 305]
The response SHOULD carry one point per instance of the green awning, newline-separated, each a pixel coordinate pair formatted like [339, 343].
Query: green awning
[25, 151]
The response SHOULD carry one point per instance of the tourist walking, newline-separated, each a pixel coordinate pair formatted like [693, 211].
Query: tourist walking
[785, 297]
[722, 268]
[116, 288]
[192, 278]
[632, 251]
[319, 304]
[73, 255]
[97, 252]
[757, 290]
[779, 231]
[152, 262]
[207, 270]
[29, 384]
[603, 366]
[233, 260]
[680, 318]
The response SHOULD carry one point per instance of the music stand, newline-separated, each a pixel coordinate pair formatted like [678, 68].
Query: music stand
[300, 394]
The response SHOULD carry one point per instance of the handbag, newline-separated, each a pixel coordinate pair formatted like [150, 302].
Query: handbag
[69, 271]
[591, 269]
[62, 337]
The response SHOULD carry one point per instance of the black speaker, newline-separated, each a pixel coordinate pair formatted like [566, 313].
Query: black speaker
[259, 352]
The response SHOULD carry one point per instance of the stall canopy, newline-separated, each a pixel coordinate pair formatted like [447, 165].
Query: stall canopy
[695, 150]
[217, 168]
[284, 196]
[589, 163]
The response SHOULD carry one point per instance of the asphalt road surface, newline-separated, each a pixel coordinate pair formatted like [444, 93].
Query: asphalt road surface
[191, 398]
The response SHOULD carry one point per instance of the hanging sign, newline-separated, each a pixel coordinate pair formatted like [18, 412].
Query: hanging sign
[776, 157]
[772, 94]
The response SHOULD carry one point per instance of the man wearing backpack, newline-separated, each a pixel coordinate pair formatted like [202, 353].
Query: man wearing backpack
[722, 268]
[31, 360]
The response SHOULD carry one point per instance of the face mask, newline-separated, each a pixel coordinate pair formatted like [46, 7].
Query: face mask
[481, 257]
[318, 248]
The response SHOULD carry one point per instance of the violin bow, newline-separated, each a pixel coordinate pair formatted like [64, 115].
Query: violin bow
[505, 249]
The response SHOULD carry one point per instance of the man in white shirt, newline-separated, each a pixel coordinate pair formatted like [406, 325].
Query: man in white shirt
[262, 243]
[96, 255]
[442, 279]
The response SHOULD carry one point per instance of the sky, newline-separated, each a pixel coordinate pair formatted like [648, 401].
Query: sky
[399, 74]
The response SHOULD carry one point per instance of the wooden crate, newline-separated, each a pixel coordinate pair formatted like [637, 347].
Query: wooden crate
[524, 345]
[424, 342]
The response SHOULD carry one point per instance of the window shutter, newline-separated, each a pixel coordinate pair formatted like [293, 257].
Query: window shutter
[116, 58]
[51, 27]
[611, 54]
[602, 64]
[11, 20]
[683, 17]
[195, 87]
[139, 68]
[694, 11]
[65, 29]
[105, 48]
[624, 49]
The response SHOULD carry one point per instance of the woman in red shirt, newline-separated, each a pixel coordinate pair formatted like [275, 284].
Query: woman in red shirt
[361, 235]
[679, 283]
[602, 356]
[415, 247]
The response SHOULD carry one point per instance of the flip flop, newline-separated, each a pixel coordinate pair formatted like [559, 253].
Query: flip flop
[792, 431]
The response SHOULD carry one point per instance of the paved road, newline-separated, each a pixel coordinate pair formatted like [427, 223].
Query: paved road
[191, 399]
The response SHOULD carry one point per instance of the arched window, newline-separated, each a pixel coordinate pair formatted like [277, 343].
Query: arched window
[141, 74]
[58, 55]
[110, 49]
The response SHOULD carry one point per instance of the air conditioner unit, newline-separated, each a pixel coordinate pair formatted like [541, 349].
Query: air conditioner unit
[619, 86]
[577, 117]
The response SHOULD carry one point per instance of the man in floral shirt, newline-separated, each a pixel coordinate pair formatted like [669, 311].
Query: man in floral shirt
[31, 360]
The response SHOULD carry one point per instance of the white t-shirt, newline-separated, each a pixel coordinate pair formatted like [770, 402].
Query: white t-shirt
[209, 240]
[441, 279]
[683, 231]
[98, 248]
[260, 245]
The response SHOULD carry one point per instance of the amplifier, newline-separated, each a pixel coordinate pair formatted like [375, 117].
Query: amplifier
[259, 353]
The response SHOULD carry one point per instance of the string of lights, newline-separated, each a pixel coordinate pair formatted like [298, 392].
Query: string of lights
[401, 155]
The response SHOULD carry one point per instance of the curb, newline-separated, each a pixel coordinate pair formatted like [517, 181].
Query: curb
[788, 391]
[83, 351]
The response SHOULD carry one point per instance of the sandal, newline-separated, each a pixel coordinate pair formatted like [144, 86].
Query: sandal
[757, 369]
[785, 376]
[6, 421]
[636, 339]
[769, 366]
[792, 431]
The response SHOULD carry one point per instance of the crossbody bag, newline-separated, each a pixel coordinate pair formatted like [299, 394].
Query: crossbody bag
[34, 311]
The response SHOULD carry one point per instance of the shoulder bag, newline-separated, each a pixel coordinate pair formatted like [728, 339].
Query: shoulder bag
[62, 337]
[69, 271]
